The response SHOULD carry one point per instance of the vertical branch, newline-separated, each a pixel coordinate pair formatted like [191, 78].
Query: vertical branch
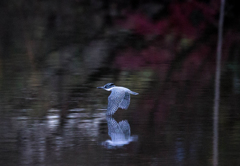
[217, 86]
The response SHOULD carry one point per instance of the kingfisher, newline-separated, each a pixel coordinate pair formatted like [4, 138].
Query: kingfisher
[119, 97]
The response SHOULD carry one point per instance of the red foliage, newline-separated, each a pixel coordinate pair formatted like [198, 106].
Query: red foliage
[181, 14]
[140, 24]
[184, 25]
[188, 18]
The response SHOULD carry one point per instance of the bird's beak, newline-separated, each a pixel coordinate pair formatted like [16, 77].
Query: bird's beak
[100, 87]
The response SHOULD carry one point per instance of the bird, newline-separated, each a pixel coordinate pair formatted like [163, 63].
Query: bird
[120, 133]
[119, 97]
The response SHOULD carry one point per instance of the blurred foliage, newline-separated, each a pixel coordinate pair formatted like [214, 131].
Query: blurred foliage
[76, 43]
[54, 53]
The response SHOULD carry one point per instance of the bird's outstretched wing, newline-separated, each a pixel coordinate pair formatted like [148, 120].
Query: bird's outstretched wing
[114, 100]
[125, 102]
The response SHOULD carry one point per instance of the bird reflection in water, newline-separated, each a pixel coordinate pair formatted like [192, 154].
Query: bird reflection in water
[120, 133]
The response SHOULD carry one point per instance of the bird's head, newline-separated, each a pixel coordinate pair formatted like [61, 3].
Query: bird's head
[107, 87]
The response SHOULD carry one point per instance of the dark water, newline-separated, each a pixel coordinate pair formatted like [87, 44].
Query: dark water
[166, 127]
[53, 55]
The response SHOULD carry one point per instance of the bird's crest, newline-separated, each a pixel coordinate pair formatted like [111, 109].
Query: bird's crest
[108, 85]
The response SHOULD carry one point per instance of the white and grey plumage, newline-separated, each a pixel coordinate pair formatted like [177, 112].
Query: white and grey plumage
[120, 133]
[119, 97]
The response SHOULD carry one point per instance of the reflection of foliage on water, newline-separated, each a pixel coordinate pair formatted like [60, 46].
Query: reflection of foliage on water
[179, 46]
[163, 49]
[27, 141]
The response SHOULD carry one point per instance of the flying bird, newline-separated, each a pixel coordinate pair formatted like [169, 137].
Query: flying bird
[119, 97]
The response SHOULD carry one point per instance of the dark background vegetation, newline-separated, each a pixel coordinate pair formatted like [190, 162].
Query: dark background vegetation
[53, 53]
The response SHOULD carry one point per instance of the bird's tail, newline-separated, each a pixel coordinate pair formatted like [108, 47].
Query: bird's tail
[133, 93]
